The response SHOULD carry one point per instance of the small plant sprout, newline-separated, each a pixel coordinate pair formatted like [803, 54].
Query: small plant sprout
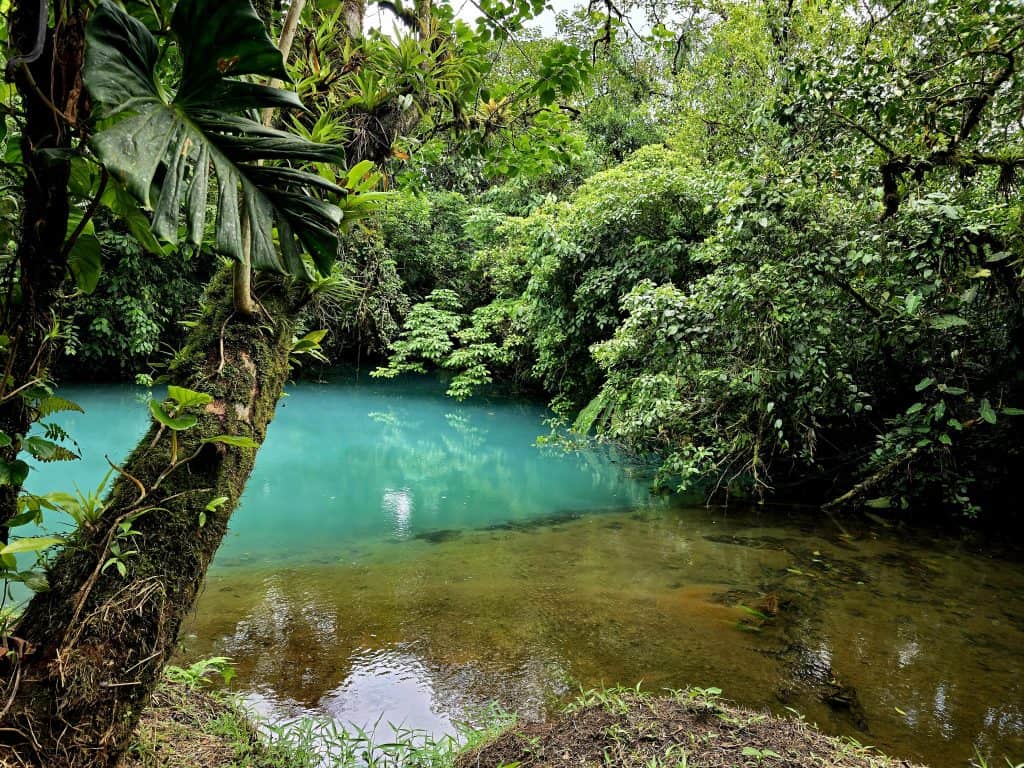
[760, 755]
[309, 346]
[197, 674]
[213, 505]
[175, 417]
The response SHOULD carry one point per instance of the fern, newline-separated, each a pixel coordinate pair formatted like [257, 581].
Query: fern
[51, 404]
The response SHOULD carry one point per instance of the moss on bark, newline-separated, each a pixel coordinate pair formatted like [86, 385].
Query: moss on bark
[97, 640]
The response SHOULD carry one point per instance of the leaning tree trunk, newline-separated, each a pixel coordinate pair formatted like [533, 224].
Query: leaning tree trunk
[96, 642]
[49, 83]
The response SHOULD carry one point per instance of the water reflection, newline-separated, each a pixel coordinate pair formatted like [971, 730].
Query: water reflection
[390, 686]
[425, 633]
[401, 460]
[398, 503]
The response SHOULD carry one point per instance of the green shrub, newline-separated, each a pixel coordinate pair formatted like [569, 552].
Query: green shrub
[637, 221]
[824, 343]
[137, 307]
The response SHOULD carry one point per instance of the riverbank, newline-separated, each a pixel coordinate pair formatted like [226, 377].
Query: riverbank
[627, 729]
[189, 728]
[186, 727]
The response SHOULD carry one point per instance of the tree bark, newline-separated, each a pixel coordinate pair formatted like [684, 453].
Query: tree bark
[96, 642]
[354, 11]
[288, 30]
[51, 91]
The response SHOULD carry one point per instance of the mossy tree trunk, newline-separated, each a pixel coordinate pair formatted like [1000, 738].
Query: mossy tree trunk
[96, 642]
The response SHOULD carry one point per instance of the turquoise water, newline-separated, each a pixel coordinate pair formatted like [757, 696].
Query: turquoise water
[398, 556]
[350, 464]
[355, 461]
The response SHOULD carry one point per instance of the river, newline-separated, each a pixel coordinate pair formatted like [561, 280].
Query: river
[401, 557]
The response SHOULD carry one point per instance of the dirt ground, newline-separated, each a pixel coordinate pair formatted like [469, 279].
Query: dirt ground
[683, 731]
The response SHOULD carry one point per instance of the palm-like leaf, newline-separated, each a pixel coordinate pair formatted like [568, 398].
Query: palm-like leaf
[164, 148]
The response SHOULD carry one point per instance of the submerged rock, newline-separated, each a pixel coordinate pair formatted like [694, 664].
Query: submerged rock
[438, 537]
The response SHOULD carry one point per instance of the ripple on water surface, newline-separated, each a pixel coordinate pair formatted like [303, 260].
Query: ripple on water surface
[403, 556]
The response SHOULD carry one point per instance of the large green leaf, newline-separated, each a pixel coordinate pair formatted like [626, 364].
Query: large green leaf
[84, 257]
[188, 398]
[168, 151]
[177, 423]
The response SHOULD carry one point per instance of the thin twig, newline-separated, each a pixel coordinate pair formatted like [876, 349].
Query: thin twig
[94, 204]
[126, 473]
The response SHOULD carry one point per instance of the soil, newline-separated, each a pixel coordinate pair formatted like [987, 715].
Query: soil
[670, 732]
[188, 728]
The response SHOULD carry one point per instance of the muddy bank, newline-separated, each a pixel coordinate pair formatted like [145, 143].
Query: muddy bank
[690, 728]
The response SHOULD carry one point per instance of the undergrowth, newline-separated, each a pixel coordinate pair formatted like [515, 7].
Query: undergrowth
[190, 726]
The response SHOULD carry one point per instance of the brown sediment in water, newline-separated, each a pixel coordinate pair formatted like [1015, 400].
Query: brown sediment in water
[632, 731]
[912, 646]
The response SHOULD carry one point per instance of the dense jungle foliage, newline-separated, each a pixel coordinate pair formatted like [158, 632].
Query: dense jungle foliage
[775, 248]
[775, 245]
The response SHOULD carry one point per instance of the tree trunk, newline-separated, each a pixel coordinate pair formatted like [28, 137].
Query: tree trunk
[96, 642]
[51, 92]
[353, 13]
[284, 45]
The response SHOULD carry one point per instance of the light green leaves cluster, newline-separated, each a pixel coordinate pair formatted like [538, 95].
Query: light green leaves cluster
[176, 418]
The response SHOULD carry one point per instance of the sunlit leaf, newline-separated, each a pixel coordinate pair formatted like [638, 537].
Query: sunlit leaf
[31, 544]
[177, 423]
[188, 398]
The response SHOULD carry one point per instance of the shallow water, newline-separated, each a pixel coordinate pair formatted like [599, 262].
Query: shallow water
[401, 556]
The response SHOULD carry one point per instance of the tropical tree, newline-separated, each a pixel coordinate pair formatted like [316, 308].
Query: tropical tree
[81, 661]
[47, 75]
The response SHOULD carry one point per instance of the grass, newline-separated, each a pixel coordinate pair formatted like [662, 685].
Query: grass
[189, 727]
[629, 728]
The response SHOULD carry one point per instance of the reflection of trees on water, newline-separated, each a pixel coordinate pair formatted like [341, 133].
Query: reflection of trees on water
[876, 636]
[352, 465]
[293, 625]
[614, 599]
[384, 654]
[489, 461]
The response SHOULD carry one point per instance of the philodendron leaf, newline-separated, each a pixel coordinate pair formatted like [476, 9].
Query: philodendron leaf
[13, 472]
[167, 151]
[84, 256]
[187, 398]
[177, 423]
